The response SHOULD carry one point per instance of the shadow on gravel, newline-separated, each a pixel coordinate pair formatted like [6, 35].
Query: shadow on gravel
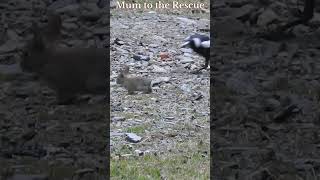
[265, 121]
[53, 73]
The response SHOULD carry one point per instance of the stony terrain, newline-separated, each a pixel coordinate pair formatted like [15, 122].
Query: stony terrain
[39, 138]
[266, 93]
[173, 121]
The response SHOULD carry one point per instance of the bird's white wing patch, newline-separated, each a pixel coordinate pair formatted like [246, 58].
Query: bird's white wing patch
[187, 39]
[184, 44]
[197, 42]
[205, 44]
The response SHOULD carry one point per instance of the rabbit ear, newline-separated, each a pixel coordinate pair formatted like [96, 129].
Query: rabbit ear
[54, 24]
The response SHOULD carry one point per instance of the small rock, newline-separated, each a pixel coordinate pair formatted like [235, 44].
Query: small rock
[186, 20]
[118, 42]
[169, 118]
[187, 55]
[9, 46]
[272, 104]
[70, 26]
[300, 30]
[116, 134]
[139, 153]
[24, 91]
[115, 119]
[186, 50]
[120, 26]
[141, 58]
[243, 12]
[72, 8]
[12, 35]
[283, 55]
[159, 39]
[186, 88]
[159, 69]
[197, 96]
[267, 17]
[160, 80]
[101, 31]
[147, 152]
[112, 4]
[132, 137]
[30, 134]
[185, 60]
[153, 45]
[91, 15]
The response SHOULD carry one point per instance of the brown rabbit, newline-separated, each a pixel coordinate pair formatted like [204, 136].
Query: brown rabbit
[70, 71]
[133, 84]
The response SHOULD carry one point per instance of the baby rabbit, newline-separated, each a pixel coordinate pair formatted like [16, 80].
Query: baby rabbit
[69, 71]
[133, 84]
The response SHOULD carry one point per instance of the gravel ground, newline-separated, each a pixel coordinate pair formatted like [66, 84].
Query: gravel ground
[177, 112]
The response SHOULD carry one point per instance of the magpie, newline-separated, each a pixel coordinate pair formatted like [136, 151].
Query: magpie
[201, 45]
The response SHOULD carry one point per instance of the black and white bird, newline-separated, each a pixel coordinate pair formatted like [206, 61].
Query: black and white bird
[201, 45]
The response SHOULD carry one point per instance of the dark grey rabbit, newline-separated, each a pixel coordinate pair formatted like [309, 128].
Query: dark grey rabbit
[133, 84]
[69, 71]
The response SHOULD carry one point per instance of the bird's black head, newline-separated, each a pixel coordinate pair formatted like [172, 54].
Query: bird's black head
[198, 43]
